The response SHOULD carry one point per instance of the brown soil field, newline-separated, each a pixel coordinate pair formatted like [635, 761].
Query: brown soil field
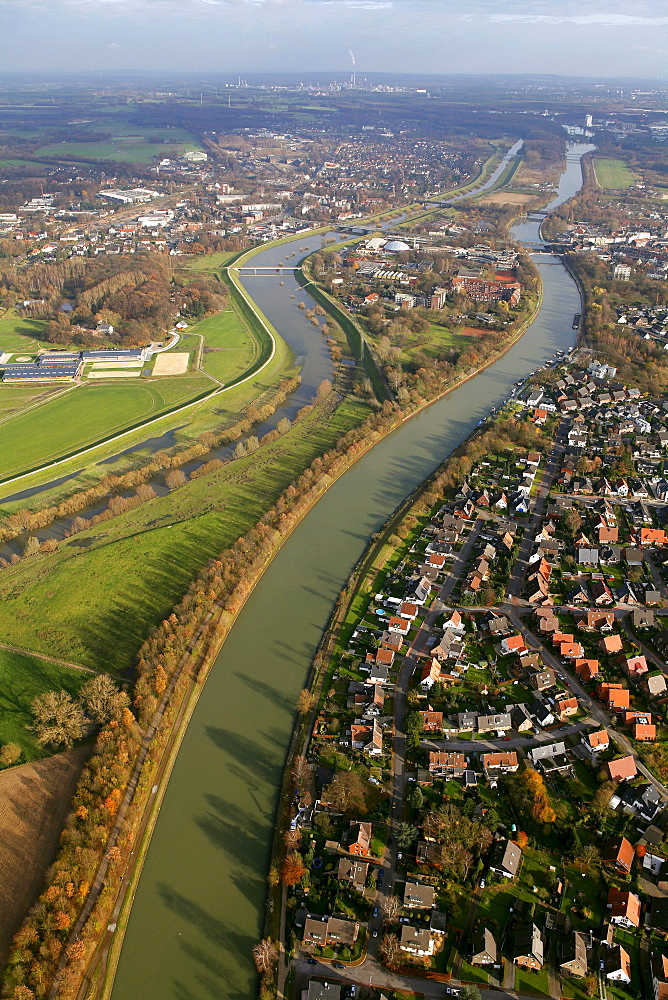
[171, 364]
[472, 331]
[34, 799]
[507, 198]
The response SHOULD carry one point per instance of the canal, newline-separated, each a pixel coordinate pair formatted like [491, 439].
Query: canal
[198, 907]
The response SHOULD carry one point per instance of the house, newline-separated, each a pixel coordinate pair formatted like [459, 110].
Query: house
[624, 908]
[505, 858]
[659, 966]
[467, 721]
[446, 763]
[320, 932]
[431, 673]
[368, 738]
[520, 718]
[619, 853]
[654, 684]
[642, 618]
[322, 991]
[617, 966]
[428, 854]
[418, 591]
[494, 723]
[401, 626]
[635, 667]
[483, 947]
[496, 764]
[408, 610]
[353, 873]
[359, 839]
[652, 536]
[596, 742]
[392, 640]
[419, 896]
[565, 707]
[416, 941]
[622, 769]
[542, 680]
[587, 669]
[541, 713]
[432, 722]
[574, 955]
[528, 947]
[512, 644]
[611, 644]
[614, 695]
[601, 593]
[634, 556]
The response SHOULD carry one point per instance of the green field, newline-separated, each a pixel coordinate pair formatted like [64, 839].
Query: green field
[22, 678]
[18, 332]
[613, 174]
[230, 349]
[104, 589]
[84, 415]
[209, 261]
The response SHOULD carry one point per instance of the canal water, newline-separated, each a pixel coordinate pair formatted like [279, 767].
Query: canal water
[198, 907]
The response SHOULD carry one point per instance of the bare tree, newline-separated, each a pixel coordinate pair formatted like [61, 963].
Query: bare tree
[305, 701]
[391, 907]
[265, 955]
[175, 478]
[389, 949]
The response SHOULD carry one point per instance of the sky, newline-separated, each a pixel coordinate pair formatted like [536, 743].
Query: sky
[596, 38]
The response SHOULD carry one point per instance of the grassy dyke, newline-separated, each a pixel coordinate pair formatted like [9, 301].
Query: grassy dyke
[94, 600]
[354, 336]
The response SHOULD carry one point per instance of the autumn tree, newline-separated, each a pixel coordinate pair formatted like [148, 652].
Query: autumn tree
[58, 719]
[102, 700]
[346, 793]
[175, 478]
[305, 701]
[530, 796]
[292, 869]
[9, 754]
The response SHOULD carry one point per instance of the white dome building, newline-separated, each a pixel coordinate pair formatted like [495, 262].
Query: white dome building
[396, 246]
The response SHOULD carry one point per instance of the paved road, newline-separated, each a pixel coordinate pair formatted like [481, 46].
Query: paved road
[484, 746]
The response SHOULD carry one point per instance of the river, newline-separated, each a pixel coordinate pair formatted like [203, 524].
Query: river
[198, 907]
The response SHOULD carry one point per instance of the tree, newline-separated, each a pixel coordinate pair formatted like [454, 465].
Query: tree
[265, 956]
[407, 835]
[102, 700]
[587, 857]
[413, 725]
[416, 797]
[175, 478]
[521, 839]
[58, 719]
[470, 992]
[347, 793]
[389, 949]
[305, 701]
[9, 754]
[391, 906]
[32, 546]
[591, 986]
[292, 869]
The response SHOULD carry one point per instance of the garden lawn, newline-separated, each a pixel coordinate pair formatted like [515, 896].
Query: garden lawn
[22, 679]
[230, 348]
[86, 414]
[95, 599]
[532, 982]
[614, 174]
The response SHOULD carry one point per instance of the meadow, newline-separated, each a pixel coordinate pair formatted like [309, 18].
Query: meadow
[88, 413]
[22, 679]
[19, 332]
[96, 598]
[229, 350]
[128, 144]
[613, 174]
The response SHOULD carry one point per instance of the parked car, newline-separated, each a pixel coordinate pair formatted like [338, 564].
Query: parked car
[375, 911]
[375, 932]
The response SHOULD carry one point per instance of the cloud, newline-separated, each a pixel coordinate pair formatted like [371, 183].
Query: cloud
[602, 17]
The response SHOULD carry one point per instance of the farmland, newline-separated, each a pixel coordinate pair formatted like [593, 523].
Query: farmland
[34, 800]
[126, 145]
[613, 174]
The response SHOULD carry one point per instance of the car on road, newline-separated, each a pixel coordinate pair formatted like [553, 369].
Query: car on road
[350, 991]
[381, 874]
[375, 932]
[400, 855]
[375, 911]
[338, 965]
[482, 883]
[311, 961]
[452, 991]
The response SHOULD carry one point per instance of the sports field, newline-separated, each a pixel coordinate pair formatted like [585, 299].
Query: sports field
[613, 174]
[84, 415]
